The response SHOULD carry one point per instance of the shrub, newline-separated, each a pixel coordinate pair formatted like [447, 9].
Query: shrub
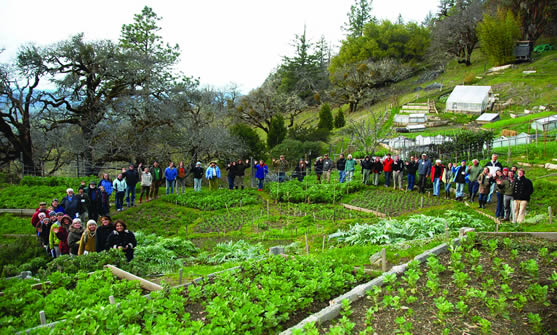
[277, 131]
[325, 117]
[469, 79]
[339, 119]
[497, 35]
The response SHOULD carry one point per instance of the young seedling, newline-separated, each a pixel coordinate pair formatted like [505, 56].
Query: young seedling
[537, 293]
[433, 286]
[506, 272]
[462, 307]
[374, 294]
[543, 253]
[461, 279]
[497, 263]
[475, 255]
[530, 267]
[554, 280]
[520, 301]
[485, 326]
[492, 247]
[478, 270]
[507, 243]
[444, 307]
[514, 254]
[404, 327]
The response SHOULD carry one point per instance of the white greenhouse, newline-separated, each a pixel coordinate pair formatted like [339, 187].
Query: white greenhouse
[469, 99]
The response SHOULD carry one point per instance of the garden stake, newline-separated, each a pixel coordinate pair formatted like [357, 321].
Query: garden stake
[422, 202]
[383, 260]
[307, 246]
[111, 300]
[268, 210]
[42, 317]
[550, 213]
[323, 248]
[180, 274]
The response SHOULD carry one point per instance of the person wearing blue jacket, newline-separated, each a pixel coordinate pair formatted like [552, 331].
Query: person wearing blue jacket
[213, 175]
[170, 174]
[460, 178]
[261, 173]
[106, 182]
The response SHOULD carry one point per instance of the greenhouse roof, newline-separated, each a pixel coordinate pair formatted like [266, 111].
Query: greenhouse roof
[469, 94]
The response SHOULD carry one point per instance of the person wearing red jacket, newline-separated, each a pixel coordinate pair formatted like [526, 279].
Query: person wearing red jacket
[436, 174]
[35, 218]
[388, 169]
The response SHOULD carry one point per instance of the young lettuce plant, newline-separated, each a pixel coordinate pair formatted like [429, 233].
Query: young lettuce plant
[461, 279]
[535, 322]
[444, 307]
[530, 267]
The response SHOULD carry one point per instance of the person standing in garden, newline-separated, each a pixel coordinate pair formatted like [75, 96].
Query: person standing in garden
[70, 203]
[388, 169]
[506, 186]
[102, 233]
[132, 178]
[119, 186]
[318, 169]
[474, 172]
[240, 173]
[282, 167]
[460, 178]
[522, 190]
[411, 168]
[231, 168]
[213, 175]
[106, 182]
[41, 209]
[436, 173]
[341, 167]
[95, 201]
[170, 174]
[122, 239]
[105, 205]
[327, 168]
[181, 178]
[197, 172]
[500, 209]
[157, 173]
[447, 179]
[74, 236]
[300, 170]
[376, 168]
[493, 166]
[260, 173]
[398, 168]
[88, 238]
[366, 164]
[424, 169]
[55, 206]
[83, 199]
[350, 168]
[146, 182]
[484, 181]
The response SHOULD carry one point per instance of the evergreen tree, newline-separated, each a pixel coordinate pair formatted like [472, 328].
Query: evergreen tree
[339, 119]
[325, 117]
[277, 131]
[358, 17]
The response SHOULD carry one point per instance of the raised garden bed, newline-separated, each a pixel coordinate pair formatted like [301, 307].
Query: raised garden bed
[496, 285]
[393, 203]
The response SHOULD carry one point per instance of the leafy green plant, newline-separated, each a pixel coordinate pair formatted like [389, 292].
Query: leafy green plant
[530, 267]
[535, 322]
[444, 307]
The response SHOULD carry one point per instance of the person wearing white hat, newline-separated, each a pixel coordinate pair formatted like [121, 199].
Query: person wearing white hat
[88, 238]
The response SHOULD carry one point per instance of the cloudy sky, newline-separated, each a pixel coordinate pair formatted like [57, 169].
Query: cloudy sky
[222, 41]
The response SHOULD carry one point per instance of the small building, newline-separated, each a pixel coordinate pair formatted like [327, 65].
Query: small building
[415, 128]
[407, 119]
[545, 124]
[488, 118]
[400, 142]
[503, 141]
[469, 99]
[523, 50]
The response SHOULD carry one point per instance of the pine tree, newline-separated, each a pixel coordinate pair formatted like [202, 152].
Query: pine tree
[339, 119]
[277, 131]
[325, 117]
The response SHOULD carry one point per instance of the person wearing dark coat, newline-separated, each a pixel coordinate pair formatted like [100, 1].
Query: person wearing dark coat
[411, 168]
[366, 164]
[76, 230]
[123, 239]
[341, 167]
[376, 168]
[319, 168]
[70, 203]
[300, 170]
[103, 232]
[197, 173]
[522, 190]
[132, 178]
[95, 201]
[83, 199]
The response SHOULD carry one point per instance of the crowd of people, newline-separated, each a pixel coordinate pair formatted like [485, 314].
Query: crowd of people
[60, 229]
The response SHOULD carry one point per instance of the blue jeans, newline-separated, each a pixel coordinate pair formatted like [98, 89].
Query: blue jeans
[411, 181]
[491, 191]
[460, 190]
[169, 186]
[500, 211]
[482, 199]
[130, 193]
[341, 175]
[388, 178]
[260, 183]
[281, 176]
[447, 187]
[120, 199]
[473, 187]
[436, 186]
[231, 182]
[197, 184]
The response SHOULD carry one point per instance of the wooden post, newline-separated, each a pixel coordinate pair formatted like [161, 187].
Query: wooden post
[497, 226]
[422, 202]
[323, 247]
[111, 300]
[383, 260]
[143, 283]
[307, 246]
[180, 275]
[550, 214]
[42, 316]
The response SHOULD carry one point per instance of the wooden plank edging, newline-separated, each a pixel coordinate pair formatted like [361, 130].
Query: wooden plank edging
[365, 210]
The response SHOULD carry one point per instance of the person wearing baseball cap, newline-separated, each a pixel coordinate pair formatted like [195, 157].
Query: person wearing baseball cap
[42, 209]
[55, 206]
